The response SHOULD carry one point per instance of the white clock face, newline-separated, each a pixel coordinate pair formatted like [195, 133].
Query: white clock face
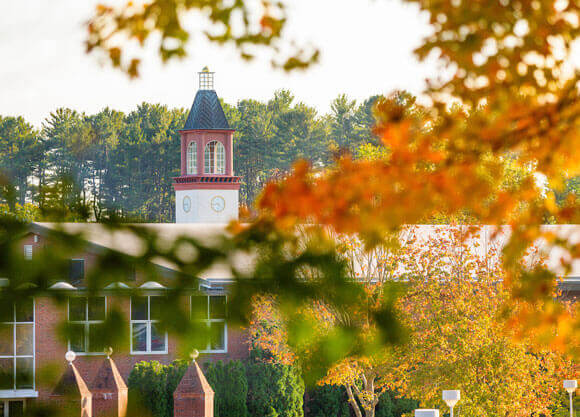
[186, 204]
[218, 204]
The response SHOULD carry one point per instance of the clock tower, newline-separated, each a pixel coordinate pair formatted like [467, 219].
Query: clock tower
[207, 190]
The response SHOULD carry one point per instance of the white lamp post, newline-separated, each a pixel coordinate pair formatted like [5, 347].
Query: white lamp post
[570, 385]
[451, 397]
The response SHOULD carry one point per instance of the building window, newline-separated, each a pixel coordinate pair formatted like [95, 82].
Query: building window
[86, 316]
[212, 310]
[76, 271]
[11, 408]
[131, 274]
[192, 158]
[27, 255]
[17, 346]
[215, 158]
[146, 335]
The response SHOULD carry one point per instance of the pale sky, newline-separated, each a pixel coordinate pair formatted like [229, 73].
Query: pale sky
[366, 49]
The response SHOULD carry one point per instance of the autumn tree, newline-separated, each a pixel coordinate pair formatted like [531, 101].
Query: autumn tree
[456, 332]
[454, 309]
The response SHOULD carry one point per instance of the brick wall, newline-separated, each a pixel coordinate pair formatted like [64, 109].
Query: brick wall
[51, 348]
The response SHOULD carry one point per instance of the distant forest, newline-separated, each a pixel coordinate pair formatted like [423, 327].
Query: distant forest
[122, 165]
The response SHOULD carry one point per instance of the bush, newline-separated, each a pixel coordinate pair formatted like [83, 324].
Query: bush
[147, 389]
[331, 401]
[274, 390]
[327, 401]
[230, 385]
[151, 386]
[391, 406]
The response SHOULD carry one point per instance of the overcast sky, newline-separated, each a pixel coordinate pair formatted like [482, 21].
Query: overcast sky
[366, 49]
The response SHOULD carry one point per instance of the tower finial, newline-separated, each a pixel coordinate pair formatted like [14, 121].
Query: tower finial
[70, 356]
[108, 351]
[206, 79]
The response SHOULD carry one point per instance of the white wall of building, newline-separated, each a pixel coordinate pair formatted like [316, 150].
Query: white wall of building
[201, 210]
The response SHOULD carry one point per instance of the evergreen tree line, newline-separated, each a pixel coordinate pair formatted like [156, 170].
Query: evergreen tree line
[80, 166]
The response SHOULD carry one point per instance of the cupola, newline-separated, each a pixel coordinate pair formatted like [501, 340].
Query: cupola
[207, 190]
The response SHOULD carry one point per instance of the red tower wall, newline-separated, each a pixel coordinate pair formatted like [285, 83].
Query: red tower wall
[203, 137]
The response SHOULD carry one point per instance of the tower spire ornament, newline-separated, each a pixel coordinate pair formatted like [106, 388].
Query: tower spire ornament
[206, 79]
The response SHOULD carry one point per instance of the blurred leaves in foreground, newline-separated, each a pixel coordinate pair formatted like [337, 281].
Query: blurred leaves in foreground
[247, 25]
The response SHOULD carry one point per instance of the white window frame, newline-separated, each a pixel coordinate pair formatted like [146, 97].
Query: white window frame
[86, 324]
[7, 405]
[148, 331]
[218, 165]
[28, 252]
[15, 356]
[209, 320]
[191, 158]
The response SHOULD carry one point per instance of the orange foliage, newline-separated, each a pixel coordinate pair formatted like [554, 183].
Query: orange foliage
[515, 94]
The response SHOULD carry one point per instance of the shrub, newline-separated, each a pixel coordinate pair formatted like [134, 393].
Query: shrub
[274, 390]
[230, 385]
[147, 389]
[391, 406]
[327, 401]
[331, 401]
[151, 386]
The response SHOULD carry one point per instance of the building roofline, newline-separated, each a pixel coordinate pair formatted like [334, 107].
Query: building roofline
[47, 231]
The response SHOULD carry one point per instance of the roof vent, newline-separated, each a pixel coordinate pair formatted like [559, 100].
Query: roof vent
[152, 285]
[117, 286]
[62, 286]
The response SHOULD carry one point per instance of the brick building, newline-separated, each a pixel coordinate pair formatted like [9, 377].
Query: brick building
[206, 199]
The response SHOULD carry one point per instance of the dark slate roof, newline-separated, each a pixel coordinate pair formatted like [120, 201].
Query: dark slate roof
[206, 112]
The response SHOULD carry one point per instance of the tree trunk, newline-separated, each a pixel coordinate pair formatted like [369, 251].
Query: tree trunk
[22, 188]
[353, 402]
[371, 399]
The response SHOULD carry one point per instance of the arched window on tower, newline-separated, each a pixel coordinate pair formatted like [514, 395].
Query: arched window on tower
[215, 158]
[192, 158]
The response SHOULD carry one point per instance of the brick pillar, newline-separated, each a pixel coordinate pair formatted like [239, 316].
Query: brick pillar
[109, 391]
[193, 397]
[71, 395]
